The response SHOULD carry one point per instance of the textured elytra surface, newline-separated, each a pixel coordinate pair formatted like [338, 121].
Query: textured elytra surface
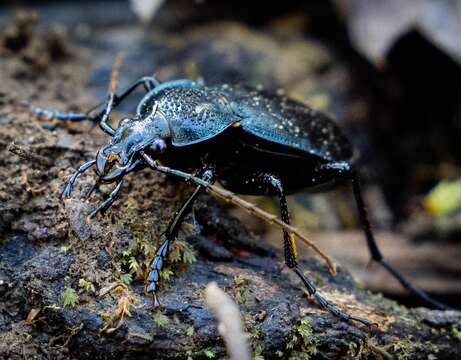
[199, 113]
[283, 121]
[194, 114]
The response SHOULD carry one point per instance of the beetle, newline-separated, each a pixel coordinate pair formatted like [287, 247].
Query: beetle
[251, 141]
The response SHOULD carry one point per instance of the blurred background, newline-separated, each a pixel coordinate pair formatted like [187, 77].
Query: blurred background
[387, 70]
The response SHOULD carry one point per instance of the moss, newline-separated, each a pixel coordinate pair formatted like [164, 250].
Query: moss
[69, 297]
[126, 278]
[242, 292]
[161, 319]
[456, 333]
[209, 353]
[87, 286]
[304, 338]
[190, 331]
[403, 349]
[362, 350]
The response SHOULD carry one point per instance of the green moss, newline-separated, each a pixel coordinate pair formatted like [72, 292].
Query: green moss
[190, 331]
[242, 292]
[361, 350]
[126, 278]
[456, 333]
[303, 337]
[403, 349]
[209, 353]
[87, 286]
[69, 297]
[161, 319]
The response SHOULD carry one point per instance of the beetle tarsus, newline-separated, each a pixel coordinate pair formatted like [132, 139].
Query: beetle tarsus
[326, 304]
[70, 183]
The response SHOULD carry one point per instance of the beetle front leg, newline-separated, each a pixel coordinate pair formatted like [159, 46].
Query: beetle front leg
[171, 233]
[68, 189]
[107, 202]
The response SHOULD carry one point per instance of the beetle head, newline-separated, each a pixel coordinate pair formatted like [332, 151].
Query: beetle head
[130, 138]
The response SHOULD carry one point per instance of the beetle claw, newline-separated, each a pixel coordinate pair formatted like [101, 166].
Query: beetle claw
[156, 302]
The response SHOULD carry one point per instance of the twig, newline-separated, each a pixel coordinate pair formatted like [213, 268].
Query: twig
[270, 218]
[230, 323]
[115, 73]
[29, 155]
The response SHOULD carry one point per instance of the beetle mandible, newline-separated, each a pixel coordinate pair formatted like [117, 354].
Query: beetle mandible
[251, 141]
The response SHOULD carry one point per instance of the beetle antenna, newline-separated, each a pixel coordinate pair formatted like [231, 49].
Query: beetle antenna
[272, 219]
[246, 205]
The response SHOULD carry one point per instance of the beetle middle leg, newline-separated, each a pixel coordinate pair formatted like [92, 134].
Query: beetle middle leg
[273, 183]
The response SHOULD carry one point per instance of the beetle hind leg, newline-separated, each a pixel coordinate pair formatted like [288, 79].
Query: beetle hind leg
[290, 252]
[343, 170]
[376, 253]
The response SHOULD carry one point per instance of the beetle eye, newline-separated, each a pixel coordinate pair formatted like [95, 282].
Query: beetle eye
[158, 146]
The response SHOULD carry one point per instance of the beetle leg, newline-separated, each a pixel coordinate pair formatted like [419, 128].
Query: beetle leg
[156, 265]
[54, 118]
[57, 118]
[376, 253]
[109, 201]
[326, 304]
[68, 189]
[343, 170]
[290, 251]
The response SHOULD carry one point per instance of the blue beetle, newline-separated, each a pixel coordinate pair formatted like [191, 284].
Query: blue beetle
[251, 141]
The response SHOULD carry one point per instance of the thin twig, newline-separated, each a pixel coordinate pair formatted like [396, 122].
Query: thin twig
[29, 155]
[270, 218]
[115, 73]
